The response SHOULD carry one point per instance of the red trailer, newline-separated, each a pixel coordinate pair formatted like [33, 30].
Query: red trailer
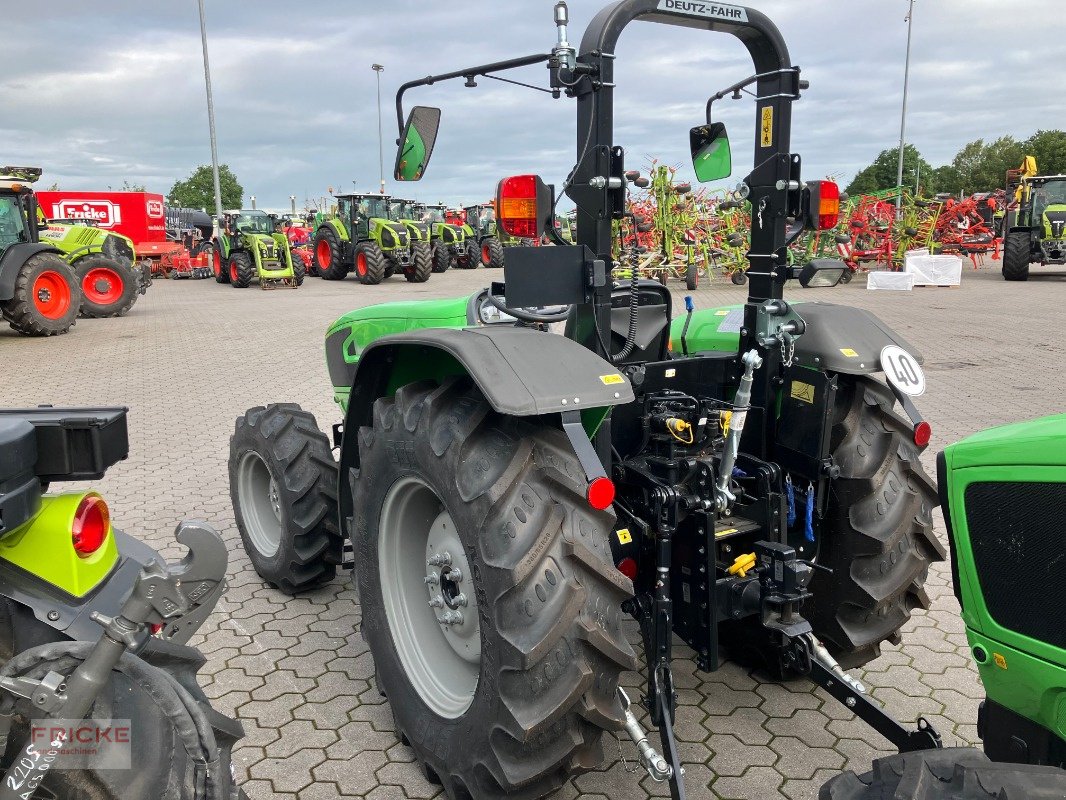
[138, 215]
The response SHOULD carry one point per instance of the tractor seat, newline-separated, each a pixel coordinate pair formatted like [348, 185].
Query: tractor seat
[653, 321]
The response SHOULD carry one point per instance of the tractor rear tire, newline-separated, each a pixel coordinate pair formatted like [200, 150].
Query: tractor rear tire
[877, 536]
[370, 263]
[692, 276]
[218, 266]
[298, 271]
[954, 773]
[421, 264]
[241, 270]
[328, 260]
[283, 485]
[1016, 249]
[109, 287]
[442, 259]
[492, 253]
[47, 297]
[528, 708]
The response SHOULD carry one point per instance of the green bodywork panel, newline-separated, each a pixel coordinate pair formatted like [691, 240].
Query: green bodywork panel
[270, 252]
[704, 334]
[42, 546]
[339, 227]
[1020, 672]
[1057, 209]
[76, 241]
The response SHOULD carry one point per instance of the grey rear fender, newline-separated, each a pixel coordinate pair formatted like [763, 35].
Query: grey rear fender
[845, 339]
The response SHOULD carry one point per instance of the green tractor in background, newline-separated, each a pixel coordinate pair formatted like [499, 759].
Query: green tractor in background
[249, 248]
[1003, 494]
[419, 232]
[1036, 231]
[447, 241]
[103, 262]
[39, 292]
[362, 238]
[483, 245]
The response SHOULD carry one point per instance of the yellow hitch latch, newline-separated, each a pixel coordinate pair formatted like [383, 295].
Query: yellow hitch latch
[742, 565]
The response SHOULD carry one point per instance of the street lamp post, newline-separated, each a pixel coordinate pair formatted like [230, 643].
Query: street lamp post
[378, 68]
[903, 114]
[211, 117]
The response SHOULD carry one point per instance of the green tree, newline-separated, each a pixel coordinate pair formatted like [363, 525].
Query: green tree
[198, 190]
[980, 167]
[881, 174]
[133, 187]
[1049, 147]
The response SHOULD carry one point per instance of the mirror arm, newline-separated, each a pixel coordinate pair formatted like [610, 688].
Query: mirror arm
[467, 74]
[737, 87]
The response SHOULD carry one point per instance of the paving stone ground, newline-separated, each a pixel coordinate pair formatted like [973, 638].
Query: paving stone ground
[192, 355]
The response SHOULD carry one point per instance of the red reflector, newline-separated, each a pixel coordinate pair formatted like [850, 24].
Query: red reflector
[628, 567]
[156, 628]
[600, 493]
[923, 432]
[516, 206]
[91, 521]
[828, 206]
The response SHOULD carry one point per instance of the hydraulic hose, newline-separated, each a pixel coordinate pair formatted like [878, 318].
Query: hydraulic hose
[184, 712]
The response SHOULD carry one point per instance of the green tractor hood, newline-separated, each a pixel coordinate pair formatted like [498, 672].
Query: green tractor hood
[1055, 221]
[390, 235]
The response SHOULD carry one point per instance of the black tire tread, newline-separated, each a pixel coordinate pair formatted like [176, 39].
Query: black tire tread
[421, 263]
[337, 270]
[540, 738]
[131, 285]
[1016, 256]
[495, 253]
[21, 312]
[245, 269]
[442, 259]
[376, 265]
[288, 438]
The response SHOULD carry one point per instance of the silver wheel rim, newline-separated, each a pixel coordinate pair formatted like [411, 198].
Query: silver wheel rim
[260, 504]
[429, 597]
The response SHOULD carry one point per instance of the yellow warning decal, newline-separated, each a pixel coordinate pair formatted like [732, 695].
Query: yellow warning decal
[624, 536]
[722, 312]
[766, 129]
[802, 391]
[725, 417]
[849, 352]
[725, 532]
[608, 380]
[1001, 662]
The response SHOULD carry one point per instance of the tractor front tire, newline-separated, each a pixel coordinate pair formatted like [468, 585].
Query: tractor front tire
[109, 287]
[442, 259]
[692, 276]
[492, 253]
[298, 271]
[283, 485]
[506, 689]
[473, 255]
[327, 259]
[370, 266]
[1016, 249]
[421, 264]
[877, 536]
[47, 298]
[219, 265]
[953, 773]
[241, 270]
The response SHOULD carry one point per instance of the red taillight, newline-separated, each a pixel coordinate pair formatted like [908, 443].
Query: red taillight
[523, 206]
[628, 567]
[600, 493]
[828, 206]
[923, 432]
[92, 519]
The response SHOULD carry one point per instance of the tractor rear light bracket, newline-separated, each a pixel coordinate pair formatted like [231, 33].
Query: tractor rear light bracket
[583, 449]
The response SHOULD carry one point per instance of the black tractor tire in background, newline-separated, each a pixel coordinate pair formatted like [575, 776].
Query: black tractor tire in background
[492, 253]
[421, 264]
[327, 258]
[692, 276]
[161, 766]
[298, 271]
[109, 287]
[442, 259]
[241, 270]
[219, 265]
[47, 297]
[283, 486]
[953, 773]
[548, 597]
[738, 277]
[877, 536]
[1016, 250]
[370, 263]
[473, 255]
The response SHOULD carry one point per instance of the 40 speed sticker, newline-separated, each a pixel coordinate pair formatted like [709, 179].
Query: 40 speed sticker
[903, 370]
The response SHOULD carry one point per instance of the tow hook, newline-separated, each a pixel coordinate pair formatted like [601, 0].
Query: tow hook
[655, 765]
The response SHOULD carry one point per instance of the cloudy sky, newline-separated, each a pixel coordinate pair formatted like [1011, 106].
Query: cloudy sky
[105, 92]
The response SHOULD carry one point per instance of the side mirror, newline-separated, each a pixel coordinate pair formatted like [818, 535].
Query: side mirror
[711, 156]
[416, 143]
[821, 272]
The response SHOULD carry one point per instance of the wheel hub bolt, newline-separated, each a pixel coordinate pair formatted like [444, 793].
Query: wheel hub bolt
[431, 579]
[459, 600]
[436, 602]
[440, 560]
[450, 618]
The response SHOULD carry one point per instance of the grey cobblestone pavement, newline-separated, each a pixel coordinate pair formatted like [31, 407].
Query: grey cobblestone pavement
[193, 355]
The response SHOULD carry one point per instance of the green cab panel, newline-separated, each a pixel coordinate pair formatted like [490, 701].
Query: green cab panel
[349, 335]
[43, 547]
[711, 329]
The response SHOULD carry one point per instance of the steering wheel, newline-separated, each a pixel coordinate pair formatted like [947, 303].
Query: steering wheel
[547, 314]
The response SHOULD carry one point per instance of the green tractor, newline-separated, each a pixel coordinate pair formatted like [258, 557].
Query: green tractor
[249, 247]
[447, 241]
[1003, 494]
[420, 233]
[1037, 229]
[363, 238]
[522, 468]
[103, 262]
[39, 292]
[482, 238]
